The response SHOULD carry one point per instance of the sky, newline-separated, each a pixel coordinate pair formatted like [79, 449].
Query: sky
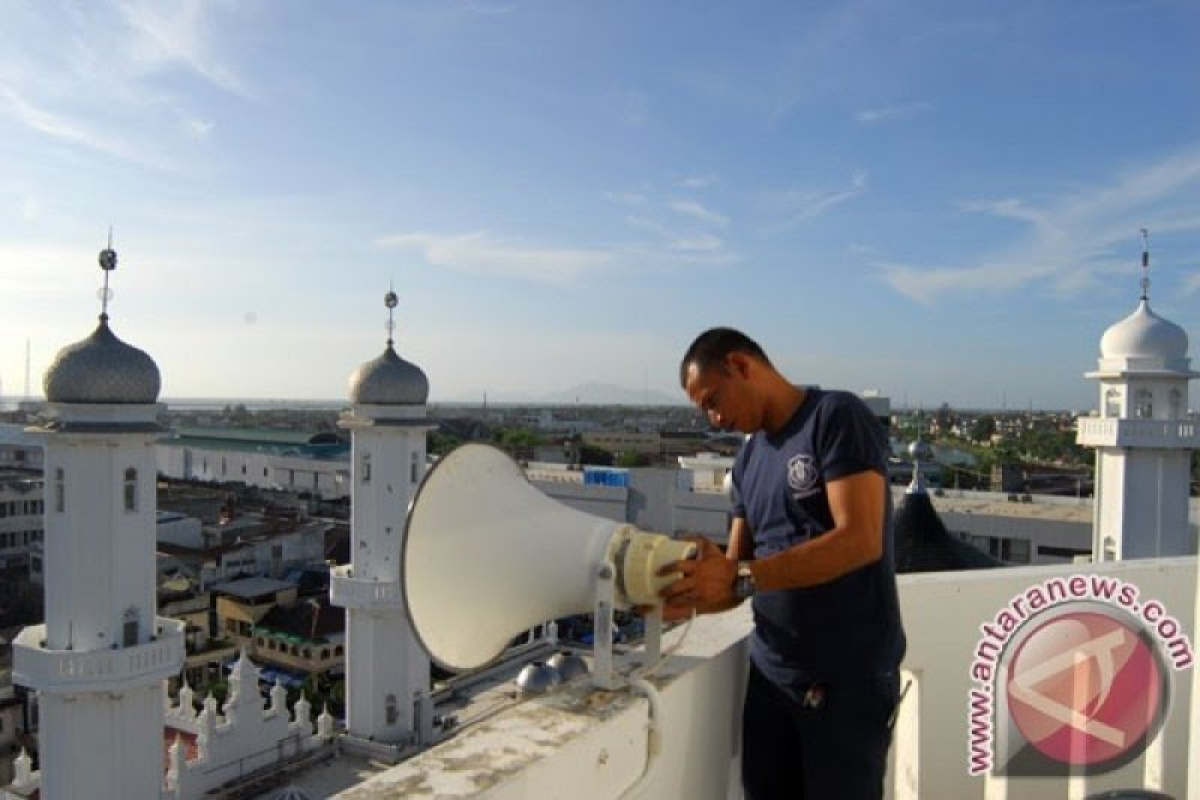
[938, 200]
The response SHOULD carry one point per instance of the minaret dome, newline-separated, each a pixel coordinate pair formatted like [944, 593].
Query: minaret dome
[389, 379]
[102, 368]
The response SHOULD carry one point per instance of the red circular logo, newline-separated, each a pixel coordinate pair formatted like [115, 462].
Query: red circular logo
[1085, 688]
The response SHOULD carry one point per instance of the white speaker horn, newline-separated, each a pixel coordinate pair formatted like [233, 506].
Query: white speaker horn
[486, 555]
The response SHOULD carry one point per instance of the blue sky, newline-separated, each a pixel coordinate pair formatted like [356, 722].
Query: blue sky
[940, 200]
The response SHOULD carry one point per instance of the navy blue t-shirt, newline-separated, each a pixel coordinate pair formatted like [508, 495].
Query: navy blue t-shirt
[849, 627]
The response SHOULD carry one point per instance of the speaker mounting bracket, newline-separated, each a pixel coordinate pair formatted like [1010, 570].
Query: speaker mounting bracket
[602, 632]
[604, 668]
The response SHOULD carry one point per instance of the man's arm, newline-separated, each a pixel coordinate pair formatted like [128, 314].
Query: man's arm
[740, 547]
[857, 504]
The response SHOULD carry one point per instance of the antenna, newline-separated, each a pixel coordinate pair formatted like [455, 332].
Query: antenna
[1145, 264]
[391, 301]
[108, 262]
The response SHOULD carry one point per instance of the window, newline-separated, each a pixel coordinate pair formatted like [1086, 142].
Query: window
[129, 631]
[1112, 403]
[365, 467]
[131, 490]
[1175, 401]
[60, 490]
[414, 470]
[392, 709]
[1145, 404]
[1015, 550]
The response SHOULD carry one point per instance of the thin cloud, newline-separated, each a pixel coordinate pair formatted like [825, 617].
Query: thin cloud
[925, 285]
[60, 128]
[198, 128]
[167, 38]
[801, 206]
[698, 181]
[901, 111]
[481, 253]
[1010, 208]
[1070, 241]
[690, 208]
[626, 198]
[684, 241]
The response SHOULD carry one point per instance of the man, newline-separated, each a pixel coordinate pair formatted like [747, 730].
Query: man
[811, 542]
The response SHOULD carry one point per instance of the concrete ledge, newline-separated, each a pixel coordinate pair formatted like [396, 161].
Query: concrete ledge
[581, 742]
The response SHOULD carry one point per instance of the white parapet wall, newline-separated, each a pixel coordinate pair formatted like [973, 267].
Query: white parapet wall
[581, 742]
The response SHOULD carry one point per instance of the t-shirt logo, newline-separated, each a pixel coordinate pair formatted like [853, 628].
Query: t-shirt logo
[802, 475]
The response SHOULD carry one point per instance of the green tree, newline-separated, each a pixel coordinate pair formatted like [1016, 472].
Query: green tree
[442, 443]
[518, 442]
[983, 428]
[633, 459]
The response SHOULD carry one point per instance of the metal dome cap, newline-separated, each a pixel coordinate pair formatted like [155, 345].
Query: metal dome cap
[102, 369]
[389, 380]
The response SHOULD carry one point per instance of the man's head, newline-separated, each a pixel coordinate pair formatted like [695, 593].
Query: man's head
[726, 374]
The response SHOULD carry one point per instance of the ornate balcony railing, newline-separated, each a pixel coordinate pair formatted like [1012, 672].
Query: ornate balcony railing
[47, 670]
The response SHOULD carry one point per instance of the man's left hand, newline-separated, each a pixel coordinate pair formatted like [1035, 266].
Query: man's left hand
[705, 582]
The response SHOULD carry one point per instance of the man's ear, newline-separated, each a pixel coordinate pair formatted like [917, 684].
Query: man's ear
[738, 364]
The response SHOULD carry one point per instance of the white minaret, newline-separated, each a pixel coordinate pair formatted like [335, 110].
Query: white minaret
[1143, 437]
[387, 670]
[99, 661]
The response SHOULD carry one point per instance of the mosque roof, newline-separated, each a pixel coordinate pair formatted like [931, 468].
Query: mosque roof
[1145, 335]
[102, 369]
[389, 380]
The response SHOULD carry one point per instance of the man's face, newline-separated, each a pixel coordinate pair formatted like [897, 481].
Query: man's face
[724, 394]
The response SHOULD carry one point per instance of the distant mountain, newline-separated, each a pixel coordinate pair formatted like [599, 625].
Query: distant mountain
[605, 394]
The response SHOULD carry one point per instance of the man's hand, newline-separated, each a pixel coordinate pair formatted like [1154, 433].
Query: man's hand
[705, 582]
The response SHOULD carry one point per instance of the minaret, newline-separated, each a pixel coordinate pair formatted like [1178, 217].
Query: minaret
[1143, 436]
[99, 661]
[387, 671]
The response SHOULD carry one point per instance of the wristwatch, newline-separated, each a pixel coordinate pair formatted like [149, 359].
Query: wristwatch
[743, 582]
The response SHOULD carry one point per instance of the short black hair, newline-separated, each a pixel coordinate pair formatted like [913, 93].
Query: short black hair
[712, 346]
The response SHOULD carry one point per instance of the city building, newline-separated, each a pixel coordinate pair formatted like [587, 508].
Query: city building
[21, 514]
[316, 463]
